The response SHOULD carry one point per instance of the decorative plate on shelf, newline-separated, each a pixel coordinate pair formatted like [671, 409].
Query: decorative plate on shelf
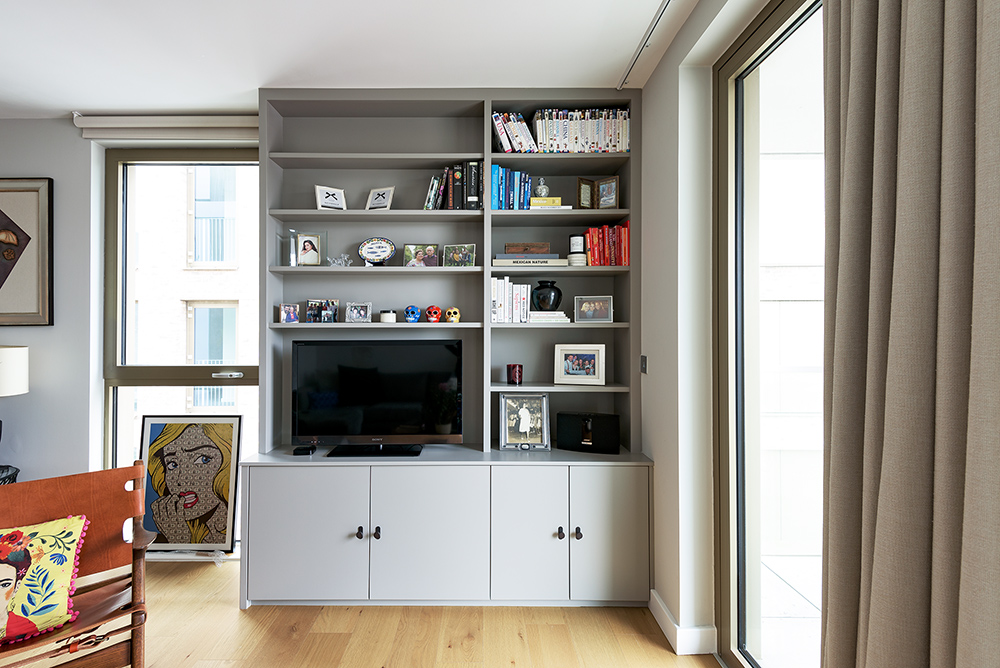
[376, 250]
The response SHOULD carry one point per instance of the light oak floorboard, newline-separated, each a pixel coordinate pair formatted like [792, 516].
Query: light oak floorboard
[195, 622]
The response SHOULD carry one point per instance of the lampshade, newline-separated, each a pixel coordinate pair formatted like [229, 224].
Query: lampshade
[13, 370]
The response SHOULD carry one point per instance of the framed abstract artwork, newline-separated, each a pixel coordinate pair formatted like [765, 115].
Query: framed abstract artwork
[26, 251]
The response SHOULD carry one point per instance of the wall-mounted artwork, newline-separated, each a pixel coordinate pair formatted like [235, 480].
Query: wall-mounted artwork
[191, 463]
[26, 251]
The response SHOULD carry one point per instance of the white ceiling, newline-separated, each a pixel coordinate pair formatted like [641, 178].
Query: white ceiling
[211, 56]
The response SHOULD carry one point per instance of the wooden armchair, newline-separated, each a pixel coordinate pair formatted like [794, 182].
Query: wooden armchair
[110, 594]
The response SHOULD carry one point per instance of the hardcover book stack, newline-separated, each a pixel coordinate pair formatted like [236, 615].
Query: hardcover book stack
[509, 189]
[564, 131]
[511, 303]
[608, 245]
[528, 254]
[457, 187]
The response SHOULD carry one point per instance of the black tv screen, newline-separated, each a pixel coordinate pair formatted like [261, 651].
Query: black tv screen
[363, 392]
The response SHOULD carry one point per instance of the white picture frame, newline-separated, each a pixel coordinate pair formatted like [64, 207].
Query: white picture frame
[331, 198]
[579, 364]
[380, 198]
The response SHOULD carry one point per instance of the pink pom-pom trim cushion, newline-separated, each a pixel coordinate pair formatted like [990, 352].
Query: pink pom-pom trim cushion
[38, 568]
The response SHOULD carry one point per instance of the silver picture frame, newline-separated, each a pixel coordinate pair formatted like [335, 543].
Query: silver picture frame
[524, 421]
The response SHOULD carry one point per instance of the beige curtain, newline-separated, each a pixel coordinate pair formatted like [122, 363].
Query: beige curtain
[911, 569]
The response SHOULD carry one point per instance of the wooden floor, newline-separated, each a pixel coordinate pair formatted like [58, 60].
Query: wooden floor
[195, 622]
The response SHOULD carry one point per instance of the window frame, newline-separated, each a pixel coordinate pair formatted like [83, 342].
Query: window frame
[116, 372]
[760, 37]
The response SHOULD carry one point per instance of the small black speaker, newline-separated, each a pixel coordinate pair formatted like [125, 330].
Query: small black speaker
[588, 432]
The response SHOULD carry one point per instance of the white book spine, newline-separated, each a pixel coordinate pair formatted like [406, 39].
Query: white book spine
[501, 133]
[493, 299]
[506, 299]
[525, 297]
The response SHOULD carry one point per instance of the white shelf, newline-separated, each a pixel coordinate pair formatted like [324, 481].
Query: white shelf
[392, 215]
[302, 160]
[565, 271]
[556, 217]
[551, 387]
[375, 325]
[559, 325]
[372, 272]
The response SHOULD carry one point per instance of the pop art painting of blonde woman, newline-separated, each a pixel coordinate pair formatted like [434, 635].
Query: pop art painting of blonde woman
[191, 481]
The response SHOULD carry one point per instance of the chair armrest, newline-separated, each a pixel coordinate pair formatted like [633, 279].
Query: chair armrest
[142, 538]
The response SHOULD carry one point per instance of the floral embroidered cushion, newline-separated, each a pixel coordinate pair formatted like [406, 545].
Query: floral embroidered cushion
[38, 566]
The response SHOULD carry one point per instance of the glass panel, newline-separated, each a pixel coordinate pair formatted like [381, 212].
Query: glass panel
[190, 234]
[135, 402]
[781, 375]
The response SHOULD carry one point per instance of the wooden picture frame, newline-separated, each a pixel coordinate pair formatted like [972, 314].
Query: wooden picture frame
[524, 422]
[26, 252]
[606, 193]
[585, 194]
[579, 364]
[191, 465]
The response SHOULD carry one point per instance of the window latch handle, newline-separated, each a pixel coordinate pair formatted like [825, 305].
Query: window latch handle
[228, 374]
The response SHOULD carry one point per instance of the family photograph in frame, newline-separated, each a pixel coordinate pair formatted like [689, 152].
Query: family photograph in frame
[421, 255]
[191, 465]
[579, 364]
[288, 313]
[593, 309]
[358, 312]
[524, 422]
[460, 255]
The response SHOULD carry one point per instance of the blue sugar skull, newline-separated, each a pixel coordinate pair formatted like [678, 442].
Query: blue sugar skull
[412, 313]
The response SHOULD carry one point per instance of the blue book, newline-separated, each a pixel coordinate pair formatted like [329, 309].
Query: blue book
[494, 187]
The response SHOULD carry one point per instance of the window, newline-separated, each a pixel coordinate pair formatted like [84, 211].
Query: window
[769, 388]
[181, 289]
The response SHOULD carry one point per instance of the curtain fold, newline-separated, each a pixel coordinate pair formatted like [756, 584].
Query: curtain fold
[911, 572]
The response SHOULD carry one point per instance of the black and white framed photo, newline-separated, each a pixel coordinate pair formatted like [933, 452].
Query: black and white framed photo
[358, 312]
[191, 464]
[524, 422]
[580, 364]
[331, 198]
[585, 193]
[593, 309]
[380, 198]
[460, 255]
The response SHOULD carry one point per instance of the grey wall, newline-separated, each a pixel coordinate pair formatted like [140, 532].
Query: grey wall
[677, 318]
[55, 429]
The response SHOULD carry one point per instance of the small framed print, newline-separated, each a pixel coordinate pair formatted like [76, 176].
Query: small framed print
[331, 198]
[380, 198]
[328, 312]
[524, 422]
[421, 255]
[580, 364]
[314, 310]
[288, 313]
[460, 255]
[593, 309]
[359, 312]
[607, 193]
[585, 194]
[307, 249]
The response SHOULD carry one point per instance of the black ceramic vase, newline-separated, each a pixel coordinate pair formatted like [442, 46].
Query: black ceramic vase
[546, 296]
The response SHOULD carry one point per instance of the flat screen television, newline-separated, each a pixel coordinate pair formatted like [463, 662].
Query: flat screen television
[376, 393]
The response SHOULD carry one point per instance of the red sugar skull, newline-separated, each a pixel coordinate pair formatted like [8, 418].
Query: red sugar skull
[433, 313]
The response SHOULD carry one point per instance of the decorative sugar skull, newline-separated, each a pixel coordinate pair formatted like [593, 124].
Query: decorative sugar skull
[453, 314]
[411, 313]
[433, 313]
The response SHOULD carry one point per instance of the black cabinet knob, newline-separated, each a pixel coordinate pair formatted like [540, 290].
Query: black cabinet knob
[579, 534]
[378, 533]
[361, 533]
[561, 533]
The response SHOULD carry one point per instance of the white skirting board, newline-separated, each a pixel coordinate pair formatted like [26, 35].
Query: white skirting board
[684, 639]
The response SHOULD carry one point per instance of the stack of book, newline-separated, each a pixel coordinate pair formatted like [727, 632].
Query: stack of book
[457, 187]
[582, 130]
[608, 246]
[547, 203]
[547, 316]
[512, 133]
[509, 189]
